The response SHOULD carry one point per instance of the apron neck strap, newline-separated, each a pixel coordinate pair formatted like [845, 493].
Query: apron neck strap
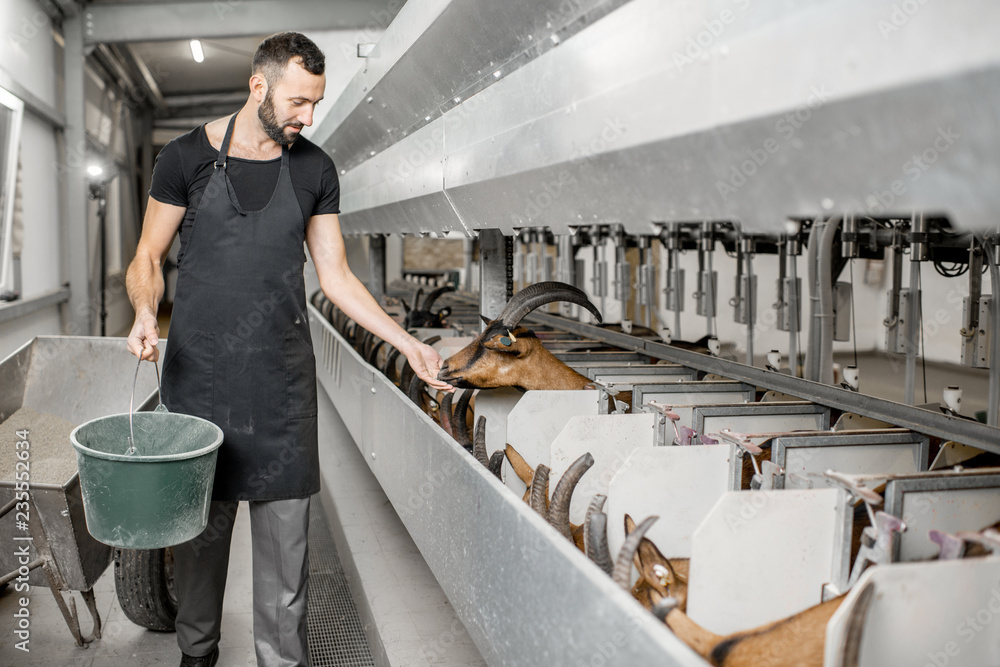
[224, 150]
[220, 161]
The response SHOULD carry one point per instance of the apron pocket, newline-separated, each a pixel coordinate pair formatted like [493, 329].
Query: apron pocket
[188, 375]
[300, 377]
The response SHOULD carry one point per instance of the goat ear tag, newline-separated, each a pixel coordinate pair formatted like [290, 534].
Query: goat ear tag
[505, 341]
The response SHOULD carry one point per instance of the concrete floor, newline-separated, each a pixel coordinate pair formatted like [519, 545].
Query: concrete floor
[124, 644]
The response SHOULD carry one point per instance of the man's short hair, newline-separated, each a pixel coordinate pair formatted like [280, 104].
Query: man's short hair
[273, 54]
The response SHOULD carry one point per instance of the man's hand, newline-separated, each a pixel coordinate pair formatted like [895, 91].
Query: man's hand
[426, 363]
[144, 337]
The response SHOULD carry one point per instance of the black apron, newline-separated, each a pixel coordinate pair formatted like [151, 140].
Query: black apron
[239, 351]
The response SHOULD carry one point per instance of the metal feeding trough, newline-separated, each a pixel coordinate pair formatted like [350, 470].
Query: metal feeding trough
[51, 385]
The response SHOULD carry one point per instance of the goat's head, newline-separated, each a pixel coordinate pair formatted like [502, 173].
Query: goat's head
[421, 315]
[506, 354]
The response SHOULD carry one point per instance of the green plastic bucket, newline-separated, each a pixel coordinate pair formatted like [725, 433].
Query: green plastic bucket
[157, 496]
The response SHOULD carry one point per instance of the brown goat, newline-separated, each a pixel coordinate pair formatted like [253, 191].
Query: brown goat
[506, 354]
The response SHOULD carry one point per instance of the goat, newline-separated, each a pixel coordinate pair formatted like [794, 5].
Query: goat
[506, 354]
[797, 641]
[422, 316]
[536, 495]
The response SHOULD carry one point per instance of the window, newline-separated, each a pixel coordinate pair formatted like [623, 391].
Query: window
[11, 112]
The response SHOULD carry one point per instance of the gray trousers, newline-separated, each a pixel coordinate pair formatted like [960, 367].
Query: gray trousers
[279, 530]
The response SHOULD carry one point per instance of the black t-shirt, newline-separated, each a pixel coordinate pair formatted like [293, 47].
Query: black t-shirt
[185, 165]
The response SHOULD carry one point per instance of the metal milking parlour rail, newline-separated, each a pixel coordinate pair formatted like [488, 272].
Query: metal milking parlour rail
[945, 426]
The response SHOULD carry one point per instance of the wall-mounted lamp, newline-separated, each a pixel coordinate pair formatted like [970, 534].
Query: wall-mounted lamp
[196, 51]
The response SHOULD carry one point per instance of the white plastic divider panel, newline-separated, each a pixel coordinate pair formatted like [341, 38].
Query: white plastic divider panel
[893, 451]
[945, 501]
[760, 556]
[681, 485]
[936, 614]
[495, 405]
[682, 395]
[535, 422]
[510, 577]
[610, 439]
[760, 418]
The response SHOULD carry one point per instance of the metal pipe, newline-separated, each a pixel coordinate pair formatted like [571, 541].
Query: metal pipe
[993, 411]
[748, 248]
[812, 348]
[706, 246]
[675, 255]
[792, 310]
[912, 333]
[826, 277]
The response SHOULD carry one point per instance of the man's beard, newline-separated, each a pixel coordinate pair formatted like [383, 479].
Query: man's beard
[276, 131]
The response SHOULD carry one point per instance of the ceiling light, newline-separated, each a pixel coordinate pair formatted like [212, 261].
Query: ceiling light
[196, 51]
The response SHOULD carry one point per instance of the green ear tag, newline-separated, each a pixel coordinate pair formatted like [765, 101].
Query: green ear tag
[505, 341]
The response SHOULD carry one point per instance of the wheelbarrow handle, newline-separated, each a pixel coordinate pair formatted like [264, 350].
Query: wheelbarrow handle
[131, 402]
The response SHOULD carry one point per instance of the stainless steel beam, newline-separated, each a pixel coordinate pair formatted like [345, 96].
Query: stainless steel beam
[79, 312]
[441, 54]
[936, 424]
[140, 22]
[592, 131]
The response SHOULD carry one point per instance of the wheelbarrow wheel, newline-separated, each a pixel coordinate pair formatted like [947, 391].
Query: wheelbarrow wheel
[144, 580]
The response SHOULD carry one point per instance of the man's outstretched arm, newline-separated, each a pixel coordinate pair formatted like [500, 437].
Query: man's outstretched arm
[326, 245]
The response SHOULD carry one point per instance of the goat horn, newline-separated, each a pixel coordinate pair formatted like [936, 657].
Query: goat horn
[496, 461]
[539, 294]
[460, 424]
[596, 505]
[416, 388]
[520, 466]
[622, 573]
[596, 540]
[416, 299]
[540, 490]
[561, 497]
[433, 296]
[479, 445]
[446, 413]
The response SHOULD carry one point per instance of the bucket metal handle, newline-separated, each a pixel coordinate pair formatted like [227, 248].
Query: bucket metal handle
[159, 408]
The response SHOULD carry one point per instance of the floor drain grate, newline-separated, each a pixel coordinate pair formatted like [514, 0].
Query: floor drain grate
[336, 638]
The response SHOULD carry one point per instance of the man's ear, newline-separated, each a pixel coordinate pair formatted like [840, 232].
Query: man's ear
[258, 87]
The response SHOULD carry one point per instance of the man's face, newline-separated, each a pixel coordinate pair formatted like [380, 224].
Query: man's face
[288, 106]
